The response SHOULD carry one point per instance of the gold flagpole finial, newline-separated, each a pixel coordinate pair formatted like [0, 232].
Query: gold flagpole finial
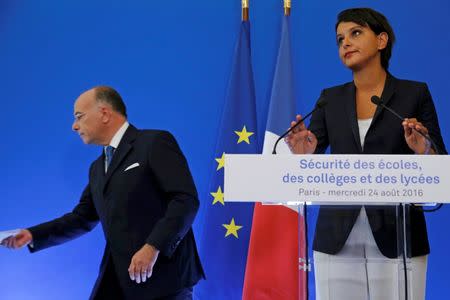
[287, 7]
[245, 10]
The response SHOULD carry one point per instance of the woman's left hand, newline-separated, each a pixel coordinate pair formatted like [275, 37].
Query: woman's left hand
[415, 141]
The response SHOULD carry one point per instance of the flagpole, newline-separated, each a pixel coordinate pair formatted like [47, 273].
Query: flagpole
[287, 7]
[245, 10]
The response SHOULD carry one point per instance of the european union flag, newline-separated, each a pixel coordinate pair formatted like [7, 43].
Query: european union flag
[228, 225]
[275, 228]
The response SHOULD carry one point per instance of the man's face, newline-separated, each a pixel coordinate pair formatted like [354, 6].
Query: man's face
[88, 118]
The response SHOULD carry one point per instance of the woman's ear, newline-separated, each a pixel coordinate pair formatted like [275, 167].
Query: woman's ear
[383, 39]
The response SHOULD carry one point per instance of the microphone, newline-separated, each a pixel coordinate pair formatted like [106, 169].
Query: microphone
[320, 104]
[378, 102]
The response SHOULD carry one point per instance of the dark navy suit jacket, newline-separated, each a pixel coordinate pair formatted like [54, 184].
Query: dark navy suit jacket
[155, 203]
[336, 126]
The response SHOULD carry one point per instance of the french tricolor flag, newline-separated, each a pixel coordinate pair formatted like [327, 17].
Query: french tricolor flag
[273, 270]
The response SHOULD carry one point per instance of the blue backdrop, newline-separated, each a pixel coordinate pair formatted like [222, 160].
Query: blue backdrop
[170, 60]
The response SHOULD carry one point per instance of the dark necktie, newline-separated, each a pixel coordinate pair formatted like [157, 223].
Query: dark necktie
[109, 152]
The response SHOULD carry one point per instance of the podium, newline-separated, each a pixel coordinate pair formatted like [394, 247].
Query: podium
[369, 236]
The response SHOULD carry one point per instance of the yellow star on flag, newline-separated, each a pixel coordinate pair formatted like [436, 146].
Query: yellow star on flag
[232, 228]
[221, 162]
[244, 135]
[218, 196]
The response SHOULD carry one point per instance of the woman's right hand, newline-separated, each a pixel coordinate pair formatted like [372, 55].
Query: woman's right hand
[301, 140]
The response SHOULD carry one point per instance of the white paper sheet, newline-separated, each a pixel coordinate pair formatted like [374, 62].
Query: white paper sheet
[6, 234]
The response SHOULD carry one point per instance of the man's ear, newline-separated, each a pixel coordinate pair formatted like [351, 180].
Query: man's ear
[105, 114]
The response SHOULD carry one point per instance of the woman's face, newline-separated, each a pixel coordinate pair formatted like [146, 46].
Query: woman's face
[358, 45]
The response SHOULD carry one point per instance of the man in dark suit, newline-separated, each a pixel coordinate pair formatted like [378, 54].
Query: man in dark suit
[141, 190]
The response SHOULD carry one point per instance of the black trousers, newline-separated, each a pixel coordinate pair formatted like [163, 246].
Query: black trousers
[110, 288]
[184, 294]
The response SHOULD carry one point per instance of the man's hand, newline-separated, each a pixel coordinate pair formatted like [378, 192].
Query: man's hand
[142, 263]
[19, 240]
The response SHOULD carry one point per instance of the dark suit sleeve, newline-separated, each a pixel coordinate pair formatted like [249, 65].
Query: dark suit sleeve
[319, 128]
[82, 219]
[172, 173]
[428, 117]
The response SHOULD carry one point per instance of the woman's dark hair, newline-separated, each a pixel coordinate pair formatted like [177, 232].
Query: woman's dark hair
[378, 23]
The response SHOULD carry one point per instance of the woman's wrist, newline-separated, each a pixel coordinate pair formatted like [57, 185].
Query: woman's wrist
[427, 147]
